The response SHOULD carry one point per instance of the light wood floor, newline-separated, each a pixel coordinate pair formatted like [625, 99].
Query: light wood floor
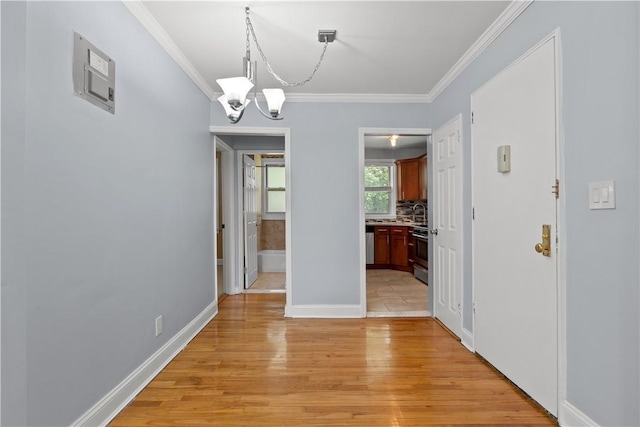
[252, 367]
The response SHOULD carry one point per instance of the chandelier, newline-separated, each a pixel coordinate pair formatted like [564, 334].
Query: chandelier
[236, 89]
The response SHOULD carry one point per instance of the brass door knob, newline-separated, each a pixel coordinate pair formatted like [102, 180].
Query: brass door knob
[539, 247]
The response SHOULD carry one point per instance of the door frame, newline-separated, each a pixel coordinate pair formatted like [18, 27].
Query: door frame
[228, 245]
[232, 201]
[241, 220]
[361, 221]
[459, 203]
[555, 35]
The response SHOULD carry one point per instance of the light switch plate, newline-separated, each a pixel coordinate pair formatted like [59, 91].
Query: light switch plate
[602, 195]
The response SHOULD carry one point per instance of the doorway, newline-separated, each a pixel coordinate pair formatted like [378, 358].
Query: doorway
[393, 199]
[240, 141]
[515, 164]
[264, 221]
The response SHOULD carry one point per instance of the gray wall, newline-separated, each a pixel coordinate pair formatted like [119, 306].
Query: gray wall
[261, 142]
[600, 54]
[324, 174]
[106, 219]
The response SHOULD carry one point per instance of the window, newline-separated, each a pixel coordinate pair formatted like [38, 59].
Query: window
[379, 194]
[274, 201]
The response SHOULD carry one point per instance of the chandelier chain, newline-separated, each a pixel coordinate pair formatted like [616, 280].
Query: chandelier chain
[266, 61]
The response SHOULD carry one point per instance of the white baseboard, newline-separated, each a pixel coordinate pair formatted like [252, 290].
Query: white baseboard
[466, 338]
[324, 311]
[111, 404]
[570, 416]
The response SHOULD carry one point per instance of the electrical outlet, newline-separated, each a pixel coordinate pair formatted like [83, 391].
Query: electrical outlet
[158, 325]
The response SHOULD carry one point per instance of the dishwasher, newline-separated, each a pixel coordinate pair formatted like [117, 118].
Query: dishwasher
[369, 239]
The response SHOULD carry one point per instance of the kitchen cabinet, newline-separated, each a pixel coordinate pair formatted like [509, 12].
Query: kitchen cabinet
[382, 253]
[391, 248]
[399, 247]
[422, 176]
[411, 176]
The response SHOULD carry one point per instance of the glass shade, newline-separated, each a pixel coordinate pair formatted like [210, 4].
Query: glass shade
[275, 98]
[236, 90]
[232, 113]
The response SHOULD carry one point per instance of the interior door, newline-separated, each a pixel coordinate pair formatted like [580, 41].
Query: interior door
[515, 287]
[250, 222]
[447, 243]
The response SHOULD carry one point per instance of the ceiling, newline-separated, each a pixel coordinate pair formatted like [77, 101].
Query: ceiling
[399, 48]
[403, 141]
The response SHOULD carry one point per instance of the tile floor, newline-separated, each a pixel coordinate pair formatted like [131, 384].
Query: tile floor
[268, 283]
[392, 293]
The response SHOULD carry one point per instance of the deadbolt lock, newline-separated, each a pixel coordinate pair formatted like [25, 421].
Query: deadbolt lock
[544, 248]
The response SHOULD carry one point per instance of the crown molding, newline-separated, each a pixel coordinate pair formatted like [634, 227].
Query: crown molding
[515, 8]
[373, 98]
[139, 10]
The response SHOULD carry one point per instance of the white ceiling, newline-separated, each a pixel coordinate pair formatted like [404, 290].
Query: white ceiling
[382, 47]
[403, 141]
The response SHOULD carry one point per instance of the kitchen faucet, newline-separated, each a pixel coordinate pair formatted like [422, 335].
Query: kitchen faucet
[424, 212]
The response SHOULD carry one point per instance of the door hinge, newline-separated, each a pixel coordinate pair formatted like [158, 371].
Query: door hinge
[556, 189]
[473, 213]
[459, 309]
[458, 136]
[245, 270]
[472, 117]
[473, 307]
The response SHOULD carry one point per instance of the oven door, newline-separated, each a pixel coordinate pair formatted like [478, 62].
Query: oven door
[420, 250]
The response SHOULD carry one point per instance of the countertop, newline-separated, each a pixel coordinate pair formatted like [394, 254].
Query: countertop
[389, 223]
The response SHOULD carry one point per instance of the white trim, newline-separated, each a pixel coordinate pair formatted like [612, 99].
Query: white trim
[140, 11]
[570, 416]
[226, 165]
[560, 224]
[466, 338]
[215, 219]
[111, 404]
[361, 217]
[373, 98]
[323, 311]
[0, 212]
[237, 218]
[515, 8]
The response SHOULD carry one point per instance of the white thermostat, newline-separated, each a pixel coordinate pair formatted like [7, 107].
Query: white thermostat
[94, 74]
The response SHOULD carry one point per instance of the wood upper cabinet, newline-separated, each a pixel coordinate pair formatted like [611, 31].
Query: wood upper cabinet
[382, 253]
[422, 176]
[399, 246]
[412, 178]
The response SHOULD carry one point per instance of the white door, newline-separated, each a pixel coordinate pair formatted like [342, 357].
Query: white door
[250, 222]
[447, 243]
[515, 287]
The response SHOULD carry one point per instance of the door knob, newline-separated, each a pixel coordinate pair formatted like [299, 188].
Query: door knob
[434, 231]
[544, 248]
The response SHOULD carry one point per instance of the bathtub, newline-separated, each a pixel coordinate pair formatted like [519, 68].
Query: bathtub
[271, 261]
